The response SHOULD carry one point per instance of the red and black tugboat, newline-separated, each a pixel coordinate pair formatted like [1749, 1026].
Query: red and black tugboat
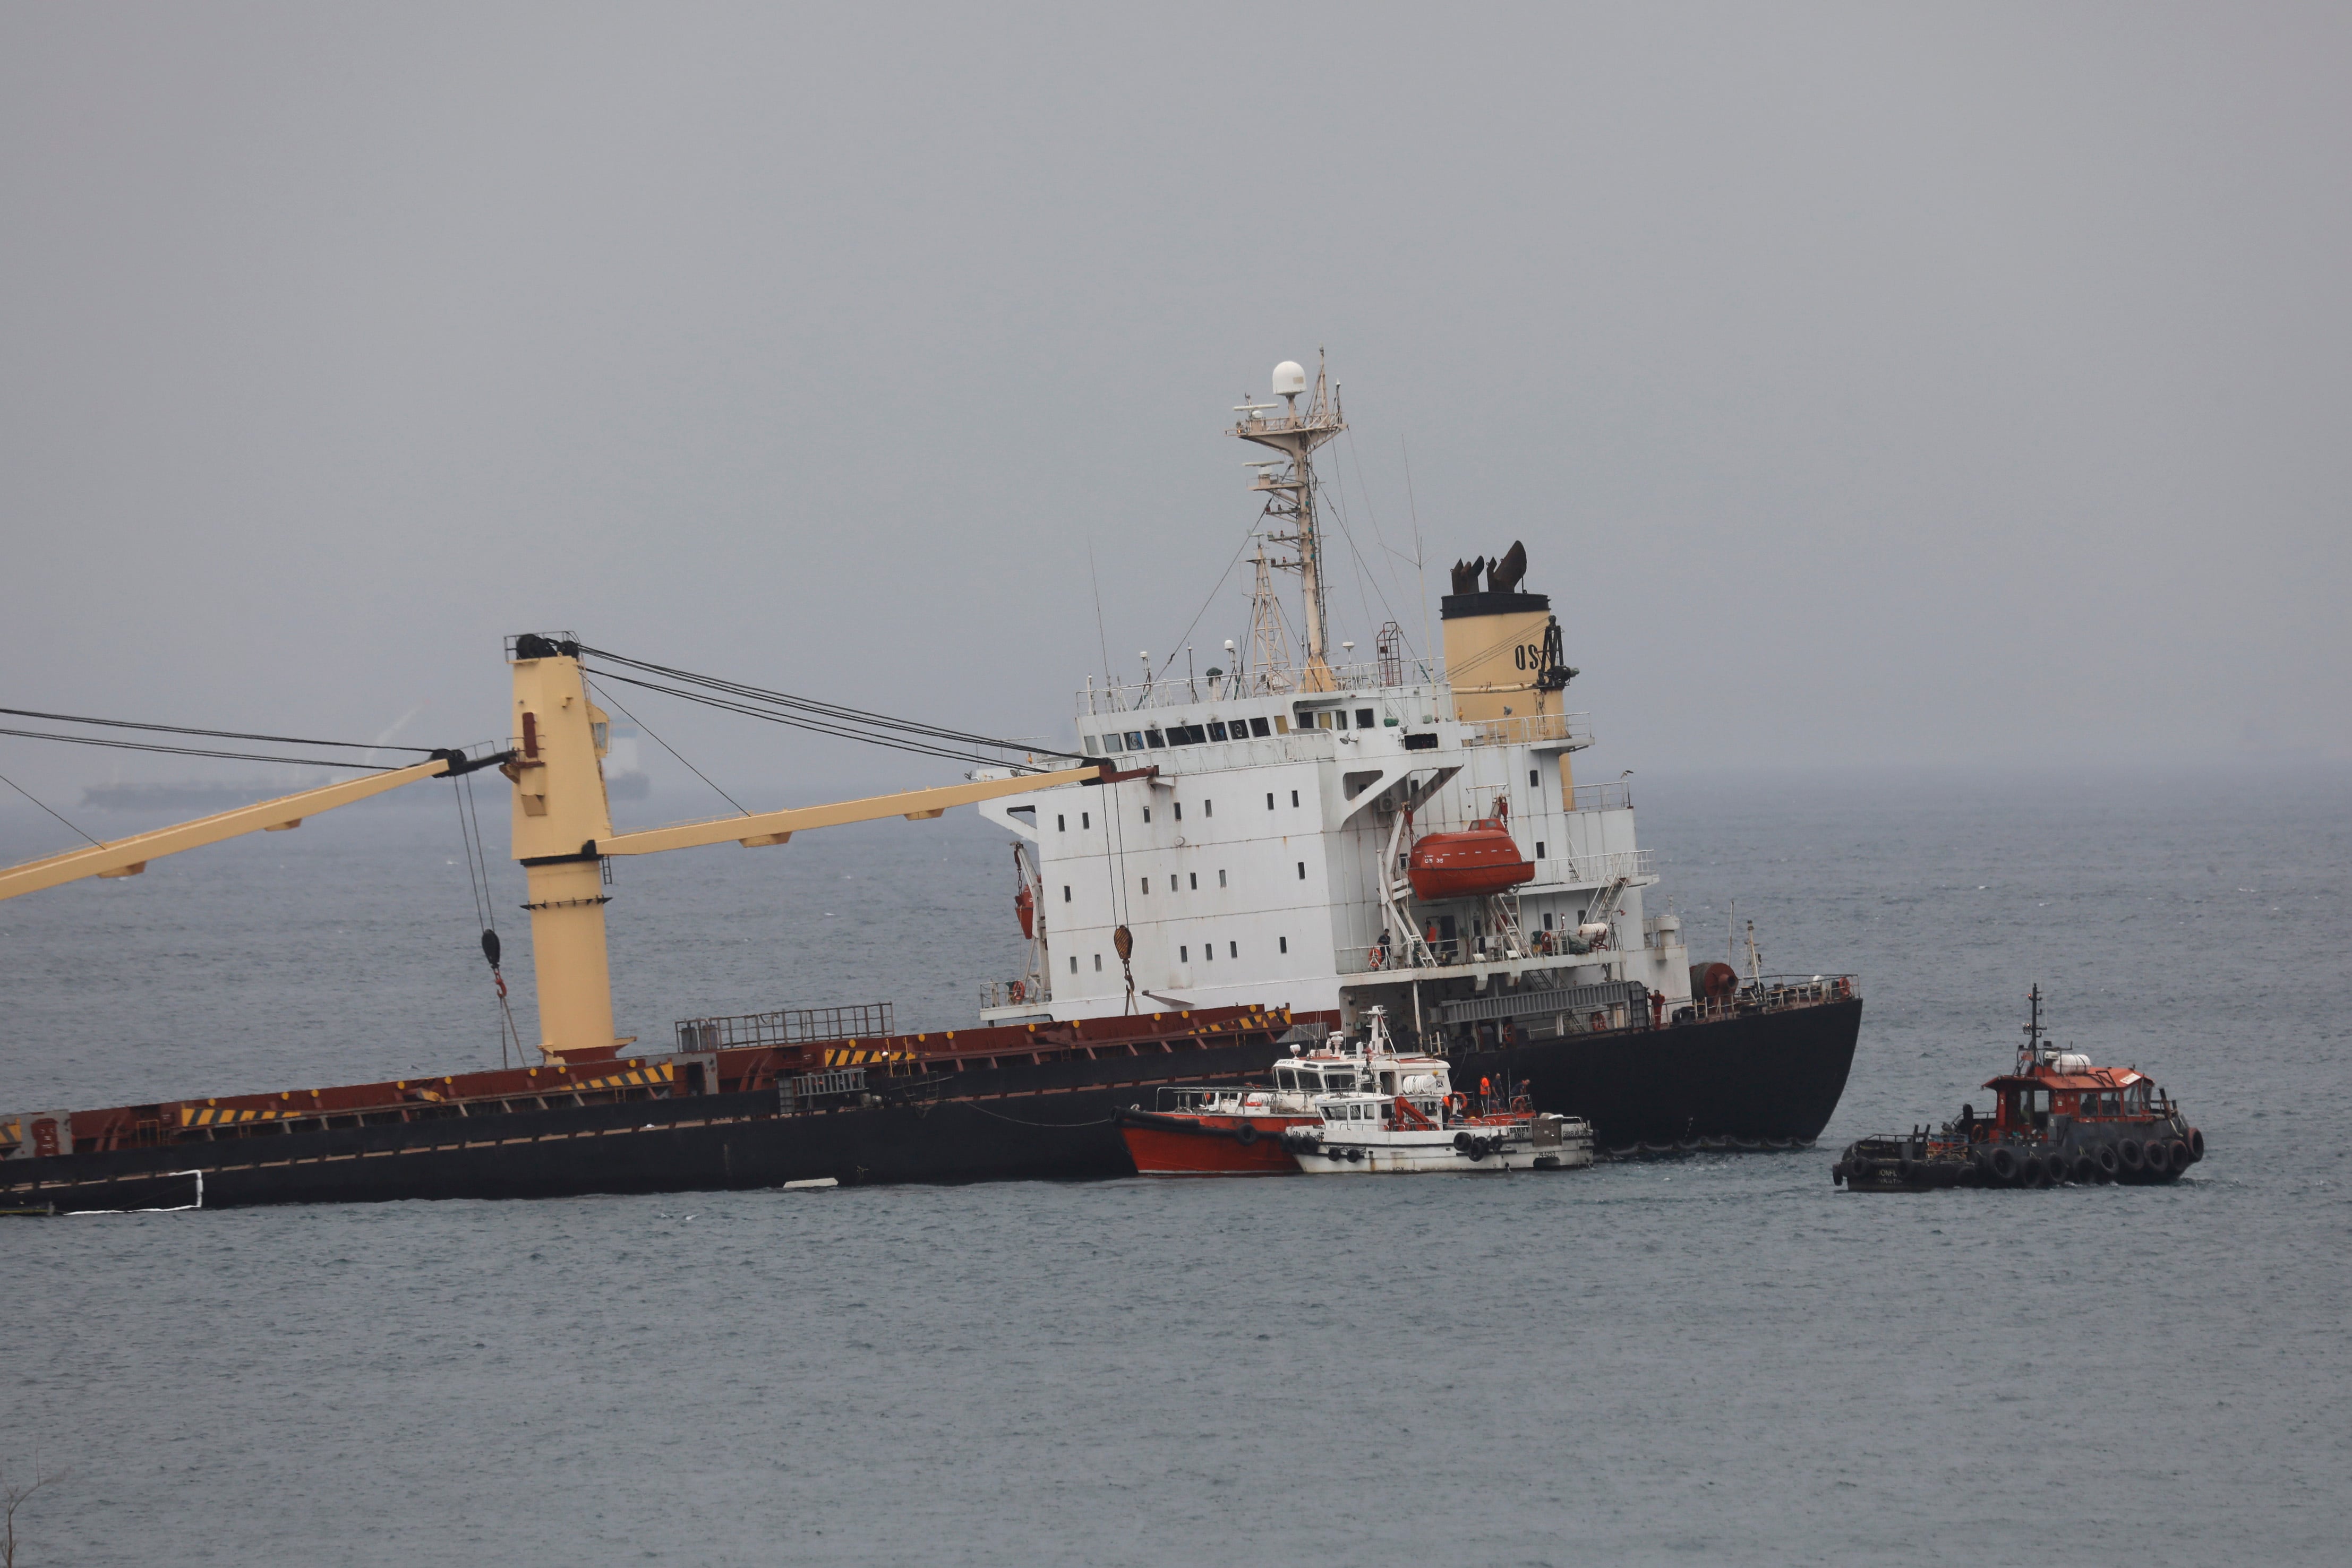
[2054, 1119]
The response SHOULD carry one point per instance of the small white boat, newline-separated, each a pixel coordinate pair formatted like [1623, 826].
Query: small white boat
[1408, 1120]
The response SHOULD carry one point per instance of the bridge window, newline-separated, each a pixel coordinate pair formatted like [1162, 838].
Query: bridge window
[1216, 729]
[1364, 719]
[1257, 726]
[1154, 739]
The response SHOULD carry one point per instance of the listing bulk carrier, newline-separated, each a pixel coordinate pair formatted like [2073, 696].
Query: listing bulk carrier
[1223, 864]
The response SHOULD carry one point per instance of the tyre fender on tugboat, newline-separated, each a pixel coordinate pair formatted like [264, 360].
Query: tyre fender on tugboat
[2196, 1145]
[1247, 1133]
[2158, 1158]
[2131, 1156]
[2105, 1159]
[2002, 1161]
[2182, 1156]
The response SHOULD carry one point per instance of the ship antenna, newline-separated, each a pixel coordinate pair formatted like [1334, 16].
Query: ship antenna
[1291, 494]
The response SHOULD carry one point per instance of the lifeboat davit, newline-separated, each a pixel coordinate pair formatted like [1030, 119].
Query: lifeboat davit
[1480, 859]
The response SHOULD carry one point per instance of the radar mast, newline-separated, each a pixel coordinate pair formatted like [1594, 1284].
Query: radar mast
[1289, 490]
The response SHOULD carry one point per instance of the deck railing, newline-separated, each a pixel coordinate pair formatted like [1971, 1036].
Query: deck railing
[786, 1025]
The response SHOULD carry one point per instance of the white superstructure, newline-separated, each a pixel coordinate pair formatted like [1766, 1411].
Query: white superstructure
[1255, 847]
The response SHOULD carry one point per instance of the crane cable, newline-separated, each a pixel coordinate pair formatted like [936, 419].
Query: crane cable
[478, 883]
[214, 734]
[808, 714]
[196, 751]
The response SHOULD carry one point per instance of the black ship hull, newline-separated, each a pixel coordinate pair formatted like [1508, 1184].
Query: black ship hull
[1769, 1078]
[1751, 1080]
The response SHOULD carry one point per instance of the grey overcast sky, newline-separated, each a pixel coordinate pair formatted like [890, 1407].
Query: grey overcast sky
[1871, 384]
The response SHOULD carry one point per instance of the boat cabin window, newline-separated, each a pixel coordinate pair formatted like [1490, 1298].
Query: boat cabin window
[1216, 729]
[1387, 1082]
[1258, 726]
[2136, 1100]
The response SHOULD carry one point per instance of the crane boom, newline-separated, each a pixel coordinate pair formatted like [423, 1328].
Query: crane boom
[775, 826]
[128, 857]
[562, 834]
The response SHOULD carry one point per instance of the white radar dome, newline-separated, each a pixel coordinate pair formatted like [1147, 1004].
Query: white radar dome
[1290, 379]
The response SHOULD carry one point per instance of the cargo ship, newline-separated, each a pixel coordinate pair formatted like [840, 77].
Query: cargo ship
[1220, 864]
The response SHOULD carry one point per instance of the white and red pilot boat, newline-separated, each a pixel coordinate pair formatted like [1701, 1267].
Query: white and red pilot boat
[1408, 1119]
[1211, 1129]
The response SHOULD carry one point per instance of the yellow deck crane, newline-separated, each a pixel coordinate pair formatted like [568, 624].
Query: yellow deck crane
[562, 834]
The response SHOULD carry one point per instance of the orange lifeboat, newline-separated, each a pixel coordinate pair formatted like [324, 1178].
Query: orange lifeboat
[1025, 905]
[1480, 859]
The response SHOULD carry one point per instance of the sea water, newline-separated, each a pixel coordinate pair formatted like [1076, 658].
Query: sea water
[1707, 1360]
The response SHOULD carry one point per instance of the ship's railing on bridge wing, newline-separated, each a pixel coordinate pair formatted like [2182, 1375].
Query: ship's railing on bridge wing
[1614, 796]
[1527, 730]
[1595, 871]
[786, 1025]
